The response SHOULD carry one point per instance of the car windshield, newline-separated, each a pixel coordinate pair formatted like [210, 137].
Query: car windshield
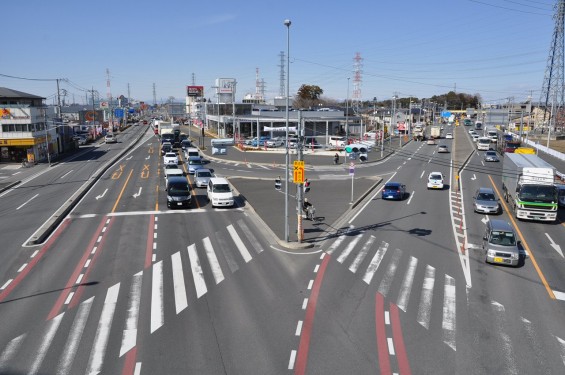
[221, 188]
[171, 166]
[538, 194]
[204, 174]
[195, 162]
[484, 141]
[503, 238]
[435, 177]
[392, 187]
[170, 155]
[491, 153]
[178, 189]
[486, 197]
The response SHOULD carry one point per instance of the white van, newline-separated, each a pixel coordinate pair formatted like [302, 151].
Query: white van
[191, 151]
[483, 144]
[337, 141]
[220, 192]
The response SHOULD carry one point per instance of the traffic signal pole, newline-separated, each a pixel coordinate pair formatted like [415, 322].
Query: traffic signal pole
[300, 186]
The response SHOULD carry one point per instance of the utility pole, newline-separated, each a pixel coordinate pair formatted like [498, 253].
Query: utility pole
[300, 187]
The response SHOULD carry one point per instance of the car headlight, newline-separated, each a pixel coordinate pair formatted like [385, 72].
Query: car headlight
[515, 256]
[491, 253]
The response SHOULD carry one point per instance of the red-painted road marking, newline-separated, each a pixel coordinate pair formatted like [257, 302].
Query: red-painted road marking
[6, 292]
[304, 346]
[80, 289]
[400, 349]
[129, 364]
[382, 346]
[64, 294]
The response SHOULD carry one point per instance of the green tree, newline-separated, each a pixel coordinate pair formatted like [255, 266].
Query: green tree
[308, 96]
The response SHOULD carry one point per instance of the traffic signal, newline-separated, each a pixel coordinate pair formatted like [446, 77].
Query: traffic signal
[306, 186]
[363, 157]
[278, 183]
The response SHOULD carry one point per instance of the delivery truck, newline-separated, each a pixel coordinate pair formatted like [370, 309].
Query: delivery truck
[529, 188]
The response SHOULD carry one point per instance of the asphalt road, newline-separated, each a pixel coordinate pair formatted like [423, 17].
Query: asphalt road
[127, 286]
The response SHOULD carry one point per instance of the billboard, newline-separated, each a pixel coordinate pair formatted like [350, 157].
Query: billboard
[225, 85]
[195, 91]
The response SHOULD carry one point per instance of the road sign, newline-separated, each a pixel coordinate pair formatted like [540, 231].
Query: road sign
[352, 169]
[298, 174]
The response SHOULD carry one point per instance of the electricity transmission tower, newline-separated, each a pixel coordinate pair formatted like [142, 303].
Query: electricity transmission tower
[552, 92]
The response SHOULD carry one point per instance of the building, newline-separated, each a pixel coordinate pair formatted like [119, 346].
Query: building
[23, 130]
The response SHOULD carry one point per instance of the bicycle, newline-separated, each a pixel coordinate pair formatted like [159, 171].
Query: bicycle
[310, 212]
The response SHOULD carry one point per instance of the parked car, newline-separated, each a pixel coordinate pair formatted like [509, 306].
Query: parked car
[491, 156]
[110, 138]
[170, 158]
[311, 142]
[485, 201]
[448, 136]
[219, 192]
[442, 149]
[274, 142]
[337, 141]
[194, 163]
[500, 243]
[202, 177]
[435, 180]
[393, 190]
[260, 142]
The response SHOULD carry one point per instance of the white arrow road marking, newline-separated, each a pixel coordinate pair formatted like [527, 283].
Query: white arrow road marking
[138, 193]
[474, 177]
[129, 157]
[485, 219]
[148, 156]
[101, 196]
[555, 246]
[560, 296]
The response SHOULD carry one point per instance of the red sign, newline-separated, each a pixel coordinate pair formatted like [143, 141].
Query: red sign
[196, 91]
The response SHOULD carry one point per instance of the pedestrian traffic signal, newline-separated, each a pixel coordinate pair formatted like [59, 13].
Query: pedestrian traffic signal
[306, 186]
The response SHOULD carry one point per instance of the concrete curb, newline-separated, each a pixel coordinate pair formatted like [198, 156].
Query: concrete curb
[53, 222]
[365, 194]
[7, 187]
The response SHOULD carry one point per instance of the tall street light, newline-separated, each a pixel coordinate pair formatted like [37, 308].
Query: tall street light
[286, 231]
[347, 114]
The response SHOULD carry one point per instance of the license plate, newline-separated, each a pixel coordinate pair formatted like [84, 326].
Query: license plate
[390, 196]
[179, 203]
[498, 260]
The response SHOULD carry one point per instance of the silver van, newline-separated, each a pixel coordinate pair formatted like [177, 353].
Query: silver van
[500, 243]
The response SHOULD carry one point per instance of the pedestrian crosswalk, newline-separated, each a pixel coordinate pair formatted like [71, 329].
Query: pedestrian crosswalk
[192, 272]
[420, 286]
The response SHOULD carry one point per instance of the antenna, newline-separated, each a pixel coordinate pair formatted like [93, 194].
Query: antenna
[281, 76]
[357, 79]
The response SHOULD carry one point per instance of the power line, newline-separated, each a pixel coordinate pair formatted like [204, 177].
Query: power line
[30, 79]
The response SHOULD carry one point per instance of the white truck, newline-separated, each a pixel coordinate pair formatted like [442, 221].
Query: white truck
[483, 144]
[418, 132]
[529, 188]
[435, 132]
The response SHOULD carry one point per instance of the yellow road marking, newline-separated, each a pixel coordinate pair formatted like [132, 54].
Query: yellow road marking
[157, 200]
[122, 191]
[145, 171]
[117, 174]
[532, 257]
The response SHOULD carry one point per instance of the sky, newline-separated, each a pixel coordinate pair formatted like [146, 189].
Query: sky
[495, 48]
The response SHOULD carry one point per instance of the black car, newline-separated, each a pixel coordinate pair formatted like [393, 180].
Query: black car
[185, 143]
[166, 147]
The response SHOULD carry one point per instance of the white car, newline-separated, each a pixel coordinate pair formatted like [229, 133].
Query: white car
[274, 142]
[475, 137]
[449, 136]
[170, 158]
[435, 180]
[472, 131]
[110, 138]
[219, 192]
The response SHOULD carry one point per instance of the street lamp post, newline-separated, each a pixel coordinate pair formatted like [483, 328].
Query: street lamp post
[287, 23]
[46, 136]
[347, 114]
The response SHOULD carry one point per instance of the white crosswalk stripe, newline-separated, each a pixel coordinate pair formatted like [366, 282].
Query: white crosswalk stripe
[375, 262]
[362, 254]
[103, 331]
[250, 236]
[390, 272]
[9, 352]
[425, 307]
[448, 323]
[345, 253]
[335, 244]
[52, 327]
[179, 289]
[506, 344]
[71, 347]
[213, 260]
[129, 337]
[239, 244]
[406, 288]
[197, 273]
[157, 313]
[561, 344]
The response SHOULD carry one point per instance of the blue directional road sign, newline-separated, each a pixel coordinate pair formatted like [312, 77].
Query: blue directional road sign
[118, 112]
